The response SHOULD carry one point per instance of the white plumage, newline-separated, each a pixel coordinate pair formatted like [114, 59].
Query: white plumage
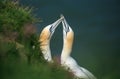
[66, 60]
[45, 37]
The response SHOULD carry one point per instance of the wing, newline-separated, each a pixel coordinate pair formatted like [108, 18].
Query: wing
[78, 71]
[87, 73]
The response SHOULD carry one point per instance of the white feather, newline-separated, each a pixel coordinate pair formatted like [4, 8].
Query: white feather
[66, 60]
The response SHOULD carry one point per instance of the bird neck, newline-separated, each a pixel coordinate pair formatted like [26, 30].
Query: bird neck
[67, 45]
[45, 48]
[66, 50]
[45, 45]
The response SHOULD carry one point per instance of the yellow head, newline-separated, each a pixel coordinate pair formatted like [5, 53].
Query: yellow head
[68, 37]
[45, 37]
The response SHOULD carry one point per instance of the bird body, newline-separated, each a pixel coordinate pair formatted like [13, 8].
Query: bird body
[77, 70]
[66, 60]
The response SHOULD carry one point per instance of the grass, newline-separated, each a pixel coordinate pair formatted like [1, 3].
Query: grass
[22, 63]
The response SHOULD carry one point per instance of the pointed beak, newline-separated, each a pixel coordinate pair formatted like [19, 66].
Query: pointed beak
[55, 24]
[65, 24]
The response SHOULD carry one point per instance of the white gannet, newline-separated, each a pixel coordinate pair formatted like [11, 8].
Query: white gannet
[45, 37]
[66, 60]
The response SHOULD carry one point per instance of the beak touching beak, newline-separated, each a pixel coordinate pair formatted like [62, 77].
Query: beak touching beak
[55, 24]
[65, 24]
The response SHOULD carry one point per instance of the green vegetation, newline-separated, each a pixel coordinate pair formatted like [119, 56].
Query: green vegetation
[13, 17]
[20, 56]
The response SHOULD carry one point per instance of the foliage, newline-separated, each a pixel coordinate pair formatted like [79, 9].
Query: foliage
[20, 54]
[25, 63]
[13, 16]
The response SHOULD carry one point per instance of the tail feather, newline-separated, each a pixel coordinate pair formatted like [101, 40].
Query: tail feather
[88, 73]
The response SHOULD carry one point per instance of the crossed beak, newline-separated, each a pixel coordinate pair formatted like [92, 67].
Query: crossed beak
[54, 25]
[65, 24]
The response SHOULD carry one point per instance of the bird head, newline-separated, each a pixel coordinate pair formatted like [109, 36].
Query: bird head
[54, 25]
[68, 36]
[66, 27]
[49, 30]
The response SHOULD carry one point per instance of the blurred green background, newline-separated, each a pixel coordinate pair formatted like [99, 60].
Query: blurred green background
[97, 32]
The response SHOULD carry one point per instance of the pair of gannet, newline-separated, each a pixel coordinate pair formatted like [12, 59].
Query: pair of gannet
[66, 60]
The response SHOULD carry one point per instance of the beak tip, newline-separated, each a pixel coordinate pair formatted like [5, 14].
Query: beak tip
[61, 15]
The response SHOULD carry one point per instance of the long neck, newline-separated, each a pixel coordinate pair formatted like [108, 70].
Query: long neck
[67, 46]
[45, 47]
[65, 51]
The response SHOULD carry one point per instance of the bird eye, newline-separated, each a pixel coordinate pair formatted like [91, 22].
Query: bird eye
[51, 29]
[66, 27]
